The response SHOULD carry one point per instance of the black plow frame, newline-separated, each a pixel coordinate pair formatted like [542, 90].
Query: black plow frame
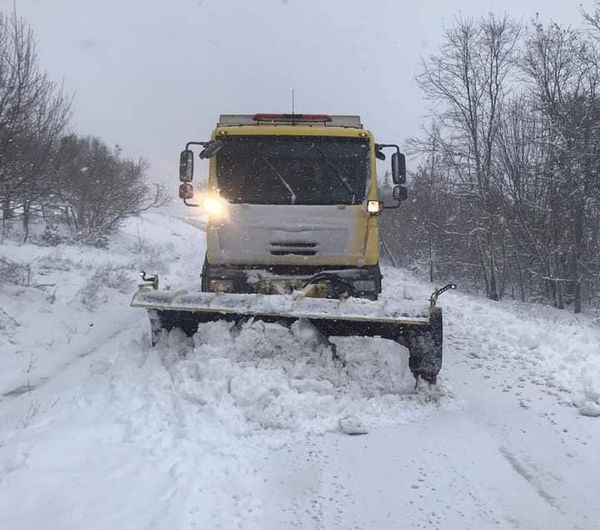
[422, 338]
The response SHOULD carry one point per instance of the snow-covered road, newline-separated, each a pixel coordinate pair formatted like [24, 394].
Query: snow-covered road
[239, 428]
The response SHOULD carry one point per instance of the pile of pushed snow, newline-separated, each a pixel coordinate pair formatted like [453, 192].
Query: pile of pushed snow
[265, 379]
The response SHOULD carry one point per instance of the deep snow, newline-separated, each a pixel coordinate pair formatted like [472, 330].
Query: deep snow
[240, 427]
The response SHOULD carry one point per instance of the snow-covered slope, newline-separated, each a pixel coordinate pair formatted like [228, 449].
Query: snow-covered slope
[240, 427]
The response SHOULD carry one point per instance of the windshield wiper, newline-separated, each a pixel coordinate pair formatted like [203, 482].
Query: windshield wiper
[289, 188]
[335, 171]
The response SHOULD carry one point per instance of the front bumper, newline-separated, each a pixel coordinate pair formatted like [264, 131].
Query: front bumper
[365, 282]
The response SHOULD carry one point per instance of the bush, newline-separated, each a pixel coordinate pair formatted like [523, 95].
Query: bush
[14, 273]
[96, 292]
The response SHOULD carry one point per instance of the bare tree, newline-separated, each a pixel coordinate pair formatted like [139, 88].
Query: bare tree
[77, 180]
[467, 81]
[33, 114]
[507, 191]
[562, 66]
[99, 188]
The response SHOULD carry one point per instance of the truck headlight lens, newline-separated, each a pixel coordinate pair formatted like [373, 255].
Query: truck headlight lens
[221, 286]
[214, 206]
[373, 207]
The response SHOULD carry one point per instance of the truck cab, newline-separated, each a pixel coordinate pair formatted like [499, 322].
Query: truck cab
[291, 204]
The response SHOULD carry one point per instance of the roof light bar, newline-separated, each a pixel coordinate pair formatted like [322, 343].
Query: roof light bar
[293, 118]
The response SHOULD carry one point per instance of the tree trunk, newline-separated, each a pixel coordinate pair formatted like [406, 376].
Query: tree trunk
[6, 209]
[577, 255]
[493, 284]
[26, 219]
[493, 291]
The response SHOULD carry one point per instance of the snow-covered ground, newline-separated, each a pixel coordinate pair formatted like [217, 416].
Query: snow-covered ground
[240, 428]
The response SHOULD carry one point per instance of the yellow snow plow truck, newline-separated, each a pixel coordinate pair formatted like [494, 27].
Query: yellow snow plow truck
[292, 234]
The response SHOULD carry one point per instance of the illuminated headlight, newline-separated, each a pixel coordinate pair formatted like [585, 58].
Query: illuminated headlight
[221, 286]
[364, 286]
[215, 207]
[373, 207]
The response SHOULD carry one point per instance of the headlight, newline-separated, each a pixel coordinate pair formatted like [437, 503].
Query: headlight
[215, 207]
[221, 286]
[373, 207]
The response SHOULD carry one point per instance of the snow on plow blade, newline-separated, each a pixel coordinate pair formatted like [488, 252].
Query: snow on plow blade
[413, 325]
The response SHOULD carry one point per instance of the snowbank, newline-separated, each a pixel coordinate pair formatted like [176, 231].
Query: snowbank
[554, 349]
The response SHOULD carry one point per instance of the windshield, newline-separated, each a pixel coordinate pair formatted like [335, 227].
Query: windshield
[293, 169]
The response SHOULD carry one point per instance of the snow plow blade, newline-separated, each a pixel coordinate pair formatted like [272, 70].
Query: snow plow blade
[416, 326]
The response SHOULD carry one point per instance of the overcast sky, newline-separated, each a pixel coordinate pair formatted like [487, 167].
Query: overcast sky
[153, 74]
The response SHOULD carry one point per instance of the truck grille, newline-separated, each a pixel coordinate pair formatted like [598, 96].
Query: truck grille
[293, 248]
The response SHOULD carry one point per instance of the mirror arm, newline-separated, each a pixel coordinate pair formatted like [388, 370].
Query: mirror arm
[389, 145]
[203, 144]
[192, 205]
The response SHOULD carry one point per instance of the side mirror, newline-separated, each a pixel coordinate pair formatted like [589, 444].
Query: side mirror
[399, 168]
[186, 191]
[400, 193]
[211, 149]
[186, 166]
